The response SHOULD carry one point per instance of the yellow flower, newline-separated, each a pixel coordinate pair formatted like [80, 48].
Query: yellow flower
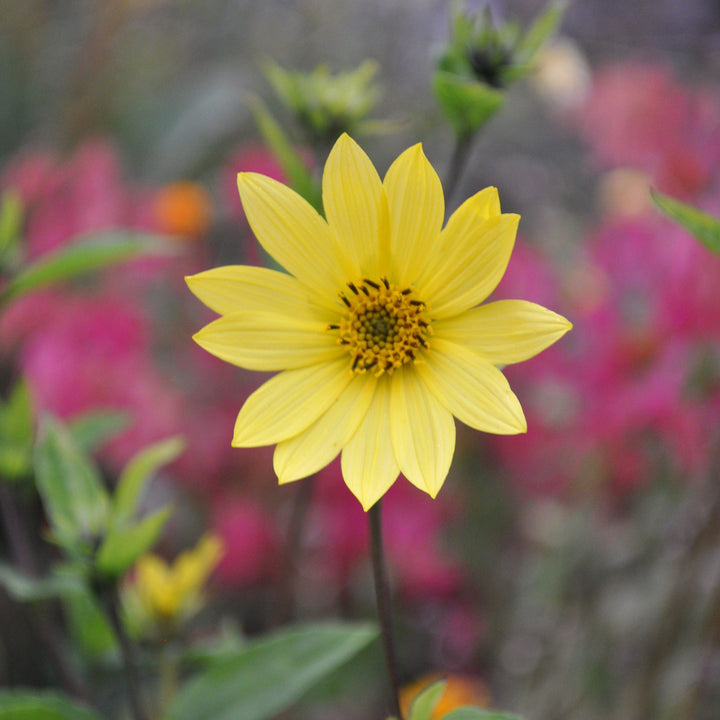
[170, 594]
[376, 326]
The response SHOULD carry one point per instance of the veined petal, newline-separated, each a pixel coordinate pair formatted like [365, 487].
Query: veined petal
[471, 265]
[422, 430]
[356, 209]
[417, 209]
[369, 466]
[504, 332]
[268, 341]
[236, 288]
[290, 229]
[472, 389]
[289, 403]
[317, 446]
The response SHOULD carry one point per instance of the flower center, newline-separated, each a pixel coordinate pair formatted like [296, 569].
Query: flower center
[384, 326]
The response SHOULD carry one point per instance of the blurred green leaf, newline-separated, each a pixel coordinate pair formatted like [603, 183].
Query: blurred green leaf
[270, 674]
[138, 472]
[17, 431]
[545, 25]
[11, 220]
[90, 254]
[472, 713]
[28, 705]
[705, 227]
[88, 623]
[123, 545]
[426, 701]
[300, 177]
[71, 488]
[467, 104]
[24, 588]
[92, 429]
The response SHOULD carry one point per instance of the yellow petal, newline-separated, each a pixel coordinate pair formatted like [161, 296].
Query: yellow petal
[471, 264]
[241, 287]
[369, 466]
[422, 432]
[289, 403]
[417, 209]
[504, 332]
[294, 234]
[356, 209]
[322, 442]
[472, 389]
[268, 341]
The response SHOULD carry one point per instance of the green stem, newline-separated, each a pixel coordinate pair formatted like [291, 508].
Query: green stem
[458, 162]
[382, 594]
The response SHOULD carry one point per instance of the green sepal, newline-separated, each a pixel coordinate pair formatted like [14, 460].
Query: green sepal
[426, 701]
[17, 431]
[35, 705]
[71, 488]
[124, 544]
[705, 227]
[467, 104]
[138, 472]
[300, 178]
[271, 674]
[89, 254]
[545, 25]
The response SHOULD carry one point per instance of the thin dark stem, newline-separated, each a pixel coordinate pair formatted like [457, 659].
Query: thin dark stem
[458, 161]
[384, 607]
[128, 655]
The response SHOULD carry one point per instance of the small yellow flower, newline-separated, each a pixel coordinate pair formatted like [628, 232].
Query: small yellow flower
[169, 594]
[376, 326]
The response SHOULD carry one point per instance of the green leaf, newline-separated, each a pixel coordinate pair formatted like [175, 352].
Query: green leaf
[89, 626]
[17, 429]
[11, 220]
[705, 227]
[290, 161]
[124, 545]
[270, 674]
[467, 104]
[426, 701]
[29, 705]
[138, 472]
[71, 488]
[92, 429]
[25, 588]
[90, 254]
[473, 713]
[545, 25]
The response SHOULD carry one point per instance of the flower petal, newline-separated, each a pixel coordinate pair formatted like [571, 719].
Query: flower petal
[317, 446]
[422, 432]
[356, 209]
[289, 403]
[368, 463]
[289, 228]
[417, 209]
[472, 389]
[504, 332]
[268, 341]
[234, 288]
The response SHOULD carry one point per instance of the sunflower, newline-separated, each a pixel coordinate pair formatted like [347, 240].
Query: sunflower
[376, 327]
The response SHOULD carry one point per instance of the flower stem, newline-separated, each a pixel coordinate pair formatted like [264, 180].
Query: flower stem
[458, 161]
[382, 594]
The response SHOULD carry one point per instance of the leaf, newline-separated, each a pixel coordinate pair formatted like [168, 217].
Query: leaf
[91, 631]
[426, 701]
[544, 26]
[270, 674]
[705, 227]
[92, 429]
[17, 429]
[472, 713]
[292, 164]
[25, 588]
[70, 486]
[467, 104]
[138, 471]
[91, 253]
[28, 705]
[11, 220]
[124, 545]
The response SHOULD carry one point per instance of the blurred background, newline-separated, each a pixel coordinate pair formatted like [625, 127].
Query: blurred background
[573, 572]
